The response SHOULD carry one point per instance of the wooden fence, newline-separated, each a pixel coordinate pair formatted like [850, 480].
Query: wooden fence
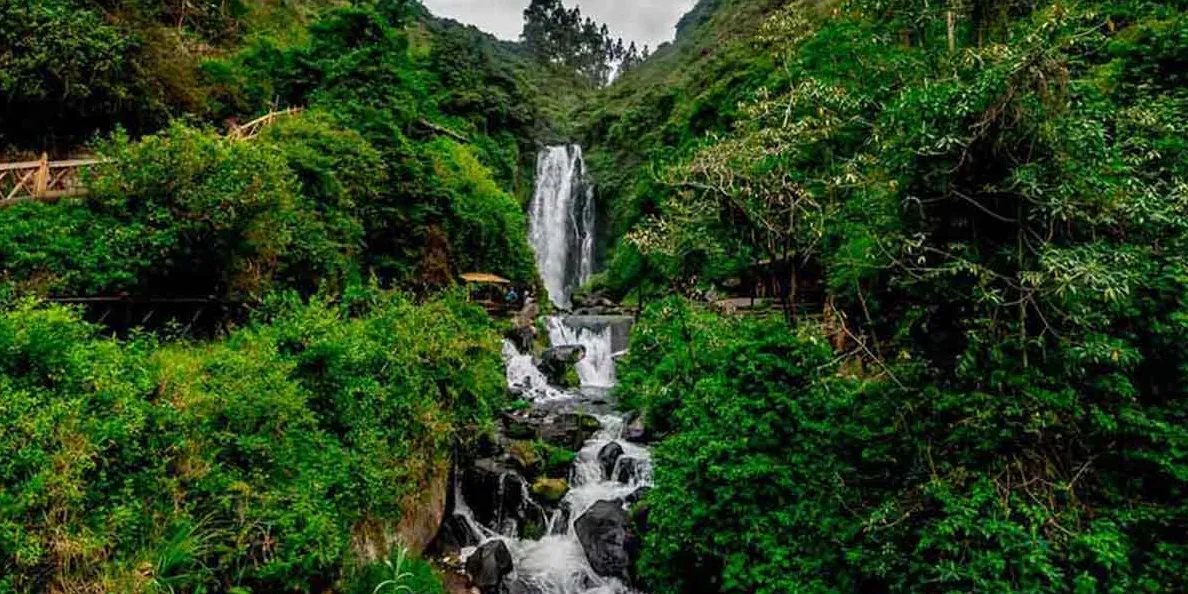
[42, 180]
[50, 180]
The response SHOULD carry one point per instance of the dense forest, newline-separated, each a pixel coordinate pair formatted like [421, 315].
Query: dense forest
[909, 278]
[976, 213]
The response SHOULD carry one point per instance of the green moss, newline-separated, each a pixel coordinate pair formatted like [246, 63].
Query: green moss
[526, 455]
[550, 490]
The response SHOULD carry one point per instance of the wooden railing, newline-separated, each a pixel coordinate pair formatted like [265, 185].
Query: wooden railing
[42, 180]
[253, 128]
[50, 180]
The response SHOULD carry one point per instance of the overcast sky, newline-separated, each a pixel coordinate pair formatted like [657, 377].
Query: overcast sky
[642, 21]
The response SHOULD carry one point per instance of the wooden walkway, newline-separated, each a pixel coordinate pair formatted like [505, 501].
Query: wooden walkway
[47, 180]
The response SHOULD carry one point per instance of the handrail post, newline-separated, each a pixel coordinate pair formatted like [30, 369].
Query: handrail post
[41, 180]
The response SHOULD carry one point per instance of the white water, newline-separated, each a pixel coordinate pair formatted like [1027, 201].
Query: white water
[524, 377]
[557, 563]
[562, 233]
[597, 369]
[561, 222]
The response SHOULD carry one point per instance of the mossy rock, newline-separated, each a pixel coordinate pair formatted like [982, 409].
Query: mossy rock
[550, 490]
[557, 461]
[527, 458]
[571, 380]
[519, 427]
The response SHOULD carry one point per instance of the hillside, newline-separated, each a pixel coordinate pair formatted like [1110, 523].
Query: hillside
[887, 296]
[967, 222]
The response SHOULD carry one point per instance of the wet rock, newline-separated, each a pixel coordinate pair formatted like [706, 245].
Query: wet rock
[607, 456]
[602, 530]
[636, 431]
[522, 586]
[494, 492]
[486, 446]
[555, 363]
[534, 525]
[521, 426]
[570, 430]
[453, 536]
[561, 522]
[526, 458]
[629, 470]
[636, 496]
[487, 567]
[549, 490]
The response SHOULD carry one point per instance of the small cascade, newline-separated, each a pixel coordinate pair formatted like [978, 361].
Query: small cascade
[561, 222]
[555, 561]
[524, 379]
[597, 368]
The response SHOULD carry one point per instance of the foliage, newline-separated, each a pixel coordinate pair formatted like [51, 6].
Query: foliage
[986, 203]
[776, 475]
[400, 574]
[558, 35]
[72, 68]
[79, 74]
[145, 467]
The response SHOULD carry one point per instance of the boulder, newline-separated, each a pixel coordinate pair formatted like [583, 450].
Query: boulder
[526, 458]
[521, 426]
[561, 523]
[487, 567]
[453, 536]
[636, 496]
[607, 456]
[522, 586]
[550, 491]
[555, 363]
[602, 530]
[486, 445]
[630, 470]
[570, 430]
[494, 492]
[636, 431]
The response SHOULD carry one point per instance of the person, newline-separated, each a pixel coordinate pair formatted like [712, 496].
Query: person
[512, 297]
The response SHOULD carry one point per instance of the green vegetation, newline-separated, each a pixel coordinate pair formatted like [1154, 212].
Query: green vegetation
[256, 461]
[560, 36]
[983, 205]
[406, 164]
[140, 466]
[970, 219]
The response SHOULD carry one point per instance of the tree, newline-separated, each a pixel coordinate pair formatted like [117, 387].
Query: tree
[559, 36]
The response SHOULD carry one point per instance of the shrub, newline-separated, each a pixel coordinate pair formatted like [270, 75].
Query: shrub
[140, 467]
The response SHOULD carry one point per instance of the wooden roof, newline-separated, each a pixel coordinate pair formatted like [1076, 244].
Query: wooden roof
[485, 278]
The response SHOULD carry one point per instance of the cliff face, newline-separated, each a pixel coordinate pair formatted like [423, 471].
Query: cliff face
[374, 540]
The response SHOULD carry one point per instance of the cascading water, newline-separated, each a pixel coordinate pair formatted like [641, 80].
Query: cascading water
[597, 368]
[561, 222]
[501, 508]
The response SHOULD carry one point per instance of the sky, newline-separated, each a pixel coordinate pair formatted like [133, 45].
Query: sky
[650, 22]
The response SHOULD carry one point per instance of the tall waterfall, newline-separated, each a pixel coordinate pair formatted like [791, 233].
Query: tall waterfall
[561, 223]
[494, 505]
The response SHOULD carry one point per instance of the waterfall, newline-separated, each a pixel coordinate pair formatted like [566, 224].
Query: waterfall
[597, 369]
[561, 222]
[554, 559]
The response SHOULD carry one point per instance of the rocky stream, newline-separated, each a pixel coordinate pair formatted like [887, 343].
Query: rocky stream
[550, 505]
